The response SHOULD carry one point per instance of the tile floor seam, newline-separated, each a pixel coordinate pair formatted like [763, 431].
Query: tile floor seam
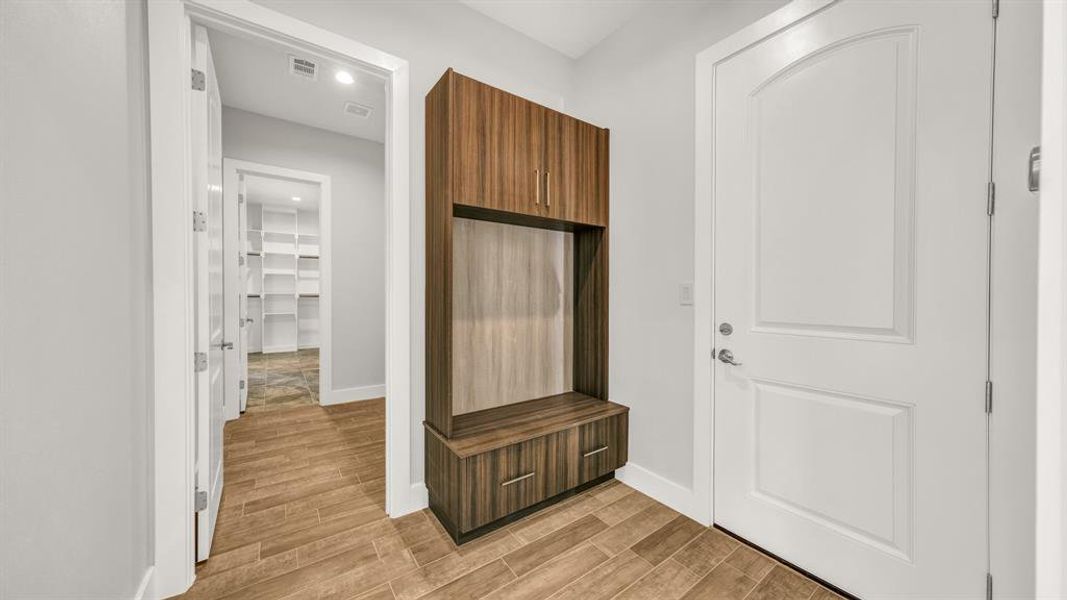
[758, 582]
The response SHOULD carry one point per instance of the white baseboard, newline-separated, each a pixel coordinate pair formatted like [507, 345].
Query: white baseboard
[367, 392]
[416, 500]
[665, 491]
[144, 591]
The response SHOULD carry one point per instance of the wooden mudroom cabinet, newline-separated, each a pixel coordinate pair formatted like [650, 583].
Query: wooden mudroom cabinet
[516, 156]
[517, 409]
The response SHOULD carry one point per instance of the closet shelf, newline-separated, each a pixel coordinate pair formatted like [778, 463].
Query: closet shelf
[279, 272]
[310, 256]
[485, 430]
[279, 314]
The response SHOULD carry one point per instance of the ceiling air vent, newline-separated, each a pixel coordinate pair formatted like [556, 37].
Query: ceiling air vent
[357, 110]
[302, 67]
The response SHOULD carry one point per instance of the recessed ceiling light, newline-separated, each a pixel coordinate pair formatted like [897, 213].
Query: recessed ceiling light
[344, 77]
[296, 198]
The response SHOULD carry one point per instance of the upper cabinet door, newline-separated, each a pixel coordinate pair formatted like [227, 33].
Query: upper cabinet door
[574, 187]
[512, 155]
[498, 149]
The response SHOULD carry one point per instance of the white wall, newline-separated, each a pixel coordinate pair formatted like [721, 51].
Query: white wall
[74, 299]
[433, 36]
[639, 83]
[356, 168]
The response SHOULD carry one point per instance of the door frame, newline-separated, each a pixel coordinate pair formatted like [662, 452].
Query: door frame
[169, 90]
[1012, 339]
[232, 168]
[1051, 505]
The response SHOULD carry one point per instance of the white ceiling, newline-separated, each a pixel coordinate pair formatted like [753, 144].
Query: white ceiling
[254, 76]
[270, 191]
[568, 26]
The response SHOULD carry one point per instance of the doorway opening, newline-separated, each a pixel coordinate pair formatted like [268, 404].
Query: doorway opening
[296, 119]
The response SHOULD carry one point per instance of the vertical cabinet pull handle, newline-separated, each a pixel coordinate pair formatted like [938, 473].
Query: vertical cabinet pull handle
[537, 186]
[548, 188]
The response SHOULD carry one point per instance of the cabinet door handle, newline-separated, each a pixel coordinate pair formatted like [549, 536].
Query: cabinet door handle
[537, 186]
[548, 188]
[518, 479]
[592, 452]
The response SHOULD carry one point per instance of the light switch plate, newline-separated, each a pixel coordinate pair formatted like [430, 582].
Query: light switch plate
[685, 293]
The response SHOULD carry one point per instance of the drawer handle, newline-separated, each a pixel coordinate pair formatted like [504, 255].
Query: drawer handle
[518, 479]
[592, 452]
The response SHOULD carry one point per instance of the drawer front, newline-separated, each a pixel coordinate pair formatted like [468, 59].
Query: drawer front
[602, 447]
[503, 481]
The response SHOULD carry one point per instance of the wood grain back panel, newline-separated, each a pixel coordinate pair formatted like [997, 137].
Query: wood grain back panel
[512, 319]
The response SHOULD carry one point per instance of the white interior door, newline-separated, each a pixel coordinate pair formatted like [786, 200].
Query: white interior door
[233, 325]
[851, 155]
[206, 109]
[245, 272]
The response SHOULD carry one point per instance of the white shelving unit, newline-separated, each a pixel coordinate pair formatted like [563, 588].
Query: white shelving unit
[283, 278]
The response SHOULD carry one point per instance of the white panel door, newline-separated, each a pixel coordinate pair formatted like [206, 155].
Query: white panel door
[233, 325]
[206, 110]
[245, 321]
[851, 154]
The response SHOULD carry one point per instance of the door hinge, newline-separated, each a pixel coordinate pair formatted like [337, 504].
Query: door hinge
[241, 385]
[199, 361]
[996, 8]
[241, 260]
[989, 586]
[240, 198]
[201, 500]
[1033, 176]
[989, 397]
[990, 198]
[199, 221]
[198, 80]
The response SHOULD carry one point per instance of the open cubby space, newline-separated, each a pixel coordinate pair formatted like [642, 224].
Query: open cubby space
[512, 314]
[308, 325]
[278, 304]
[277, 283]
[279, 332]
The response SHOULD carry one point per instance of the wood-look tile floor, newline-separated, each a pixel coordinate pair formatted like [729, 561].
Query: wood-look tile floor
[302, 517]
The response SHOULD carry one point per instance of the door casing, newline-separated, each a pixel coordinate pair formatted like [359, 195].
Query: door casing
[173, 431]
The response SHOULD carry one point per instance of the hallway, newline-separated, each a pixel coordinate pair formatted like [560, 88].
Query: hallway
[302, 516]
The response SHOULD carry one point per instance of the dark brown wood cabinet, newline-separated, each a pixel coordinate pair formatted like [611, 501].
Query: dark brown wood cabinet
[517, 409]
[512, 155]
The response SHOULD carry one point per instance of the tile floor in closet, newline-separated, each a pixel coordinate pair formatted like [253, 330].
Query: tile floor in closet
[303, 516]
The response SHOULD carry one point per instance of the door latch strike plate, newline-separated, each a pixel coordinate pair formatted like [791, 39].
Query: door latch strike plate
[201, 500]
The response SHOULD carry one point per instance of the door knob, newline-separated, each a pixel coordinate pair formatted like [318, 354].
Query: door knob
[226, 345]
[728, 357]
